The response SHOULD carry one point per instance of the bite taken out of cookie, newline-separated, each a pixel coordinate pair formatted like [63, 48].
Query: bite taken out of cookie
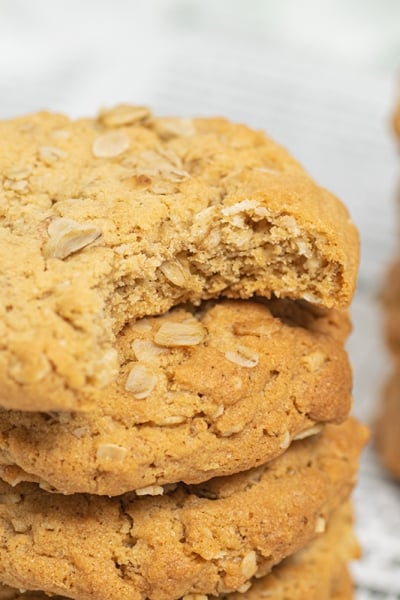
[108, 220]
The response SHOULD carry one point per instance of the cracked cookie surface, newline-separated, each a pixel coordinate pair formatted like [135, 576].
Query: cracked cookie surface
[201, 393]
[315, 573]
[107, 220]
[206, 539]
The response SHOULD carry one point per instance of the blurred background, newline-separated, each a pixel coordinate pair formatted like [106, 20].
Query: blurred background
[320, 76]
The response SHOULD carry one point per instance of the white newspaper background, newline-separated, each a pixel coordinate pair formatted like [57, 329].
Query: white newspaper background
[333, 116]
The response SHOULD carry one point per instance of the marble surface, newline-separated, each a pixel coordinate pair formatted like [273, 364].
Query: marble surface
[319, 76]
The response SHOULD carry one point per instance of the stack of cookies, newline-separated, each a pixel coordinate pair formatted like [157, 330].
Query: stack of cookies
[173, 377]
[388, 423]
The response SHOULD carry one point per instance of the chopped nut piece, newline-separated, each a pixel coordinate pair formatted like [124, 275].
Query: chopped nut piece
[188, 333]
[67, 236]
[111, 452]
[141, 381]
[150, 490]
[110, 144]
[242, 356]
[123, 114]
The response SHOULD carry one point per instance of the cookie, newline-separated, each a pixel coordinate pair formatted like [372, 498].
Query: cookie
[108, 220]
[206, 539]
[396, 120]
[314, 573]
[387, 427]
[200, 394]
[390, 298]
[343, 587]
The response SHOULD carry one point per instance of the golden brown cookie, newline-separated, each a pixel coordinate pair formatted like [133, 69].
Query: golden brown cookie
[108, 220]
[387, 426]
[396, 120]
[340, 589]
[200, 394]
[206, 539]
[391, 306]
[317, 572]
[343, 587]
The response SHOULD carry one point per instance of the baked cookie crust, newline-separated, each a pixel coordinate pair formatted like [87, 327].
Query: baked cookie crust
[206, 539]
[387, 426]
[107, 220]
[201, 393]
[318, 572]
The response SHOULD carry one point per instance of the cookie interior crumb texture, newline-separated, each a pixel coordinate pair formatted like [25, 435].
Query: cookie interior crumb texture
[200, 393]
[108, 220]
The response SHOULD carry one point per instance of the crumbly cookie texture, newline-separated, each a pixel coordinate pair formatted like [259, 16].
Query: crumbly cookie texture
[206, 539]
[387, 426]
[108, 220]
[313, 573]
[200, 394]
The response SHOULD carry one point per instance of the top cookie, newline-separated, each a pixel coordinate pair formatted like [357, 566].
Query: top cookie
[107, 220]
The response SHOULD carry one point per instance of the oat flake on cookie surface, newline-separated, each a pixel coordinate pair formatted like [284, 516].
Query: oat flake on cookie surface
[107, 220]
[212, 538]
[200, 393]
[313, 573]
